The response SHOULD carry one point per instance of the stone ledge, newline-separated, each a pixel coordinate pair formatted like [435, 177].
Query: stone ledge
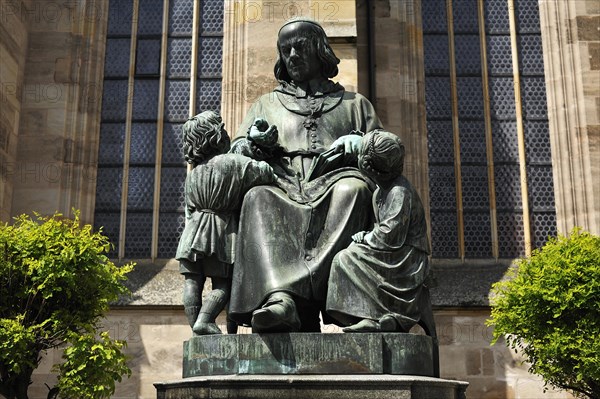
[312, 387]
[459, 285]
[309, 353]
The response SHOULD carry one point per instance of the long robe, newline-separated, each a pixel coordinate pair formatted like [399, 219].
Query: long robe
[214, 191]
[385, 274]
[290, 232]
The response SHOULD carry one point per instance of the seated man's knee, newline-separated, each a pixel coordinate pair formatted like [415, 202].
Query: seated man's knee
[352, 187]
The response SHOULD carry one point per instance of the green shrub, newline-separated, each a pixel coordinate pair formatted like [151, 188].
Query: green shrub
[56, 283]
[549, 308]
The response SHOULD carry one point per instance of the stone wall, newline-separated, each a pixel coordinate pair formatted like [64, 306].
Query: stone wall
[399, 81]
[155, 343]
[60, 101]
[13, 52]
[571, 41]
[588, 39]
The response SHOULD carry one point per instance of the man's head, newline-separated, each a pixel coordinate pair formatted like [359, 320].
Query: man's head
[204, 136]
[304, 52]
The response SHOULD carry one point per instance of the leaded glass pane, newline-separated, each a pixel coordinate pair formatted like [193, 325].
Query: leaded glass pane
[117, 58]
[112, 138]
[179, 58]
[181, 17]
[444, 236]
[172, 196]
[442, 189]
[211, 17]
[143, 144]
[147, 61]
[170, 228]
[478, 243]
[211, 57]
[138, 237]
[109, 182]
[141, 189]
[177, 100]
[150, 17]
[145, 99]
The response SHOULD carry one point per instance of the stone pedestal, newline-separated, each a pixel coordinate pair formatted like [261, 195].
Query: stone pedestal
[311, 366]
[312, 387]
[309, 353]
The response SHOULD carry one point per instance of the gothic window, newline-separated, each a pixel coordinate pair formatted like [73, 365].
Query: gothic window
[474, 124]
[163, 63]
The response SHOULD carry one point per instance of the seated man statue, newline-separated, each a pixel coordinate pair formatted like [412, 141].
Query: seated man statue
[290, 230]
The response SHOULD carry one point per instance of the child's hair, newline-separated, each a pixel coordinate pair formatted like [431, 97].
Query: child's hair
[382, 154]
[202, 138]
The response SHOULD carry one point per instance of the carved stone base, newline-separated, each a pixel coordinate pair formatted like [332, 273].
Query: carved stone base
[309, 353]
[312, 387]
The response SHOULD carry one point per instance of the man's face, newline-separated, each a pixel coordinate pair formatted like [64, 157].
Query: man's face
[299, 53]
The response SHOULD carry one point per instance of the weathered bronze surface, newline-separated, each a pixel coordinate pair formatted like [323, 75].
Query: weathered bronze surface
[312, 239]
[214, 190]
[377, 282]
[290, 231]
[309, 353]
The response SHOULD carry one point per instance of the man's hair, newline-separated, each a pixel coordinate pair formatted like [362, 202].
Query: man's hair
[202, 137]
[382, 153]
[315, 33]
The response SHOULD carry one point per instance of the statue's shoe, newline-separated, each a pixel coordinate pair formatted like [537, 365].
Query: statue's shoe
[279, 316]
[365, 325]
[386, 324]
[206, 329]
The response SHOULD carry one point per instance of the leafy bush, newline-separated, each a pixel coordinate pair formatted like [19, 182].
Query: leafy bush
[549, 308]
[56, 283]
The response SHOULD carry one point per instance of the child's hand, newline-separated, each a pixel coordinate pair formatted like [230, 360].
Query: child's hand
[262, 134]
[359, 237]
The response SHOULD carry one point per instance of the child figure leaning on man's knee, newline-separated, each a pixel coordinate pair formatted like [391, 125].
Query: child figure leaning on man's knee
[214, 190]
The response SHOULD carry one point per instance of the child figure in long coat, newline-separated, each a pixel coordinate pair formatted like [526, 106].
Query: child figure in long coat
[214, 190]
[377, 283]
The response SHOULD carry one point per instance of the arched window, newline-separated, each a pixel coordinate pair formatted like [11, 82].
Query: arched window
[478, 207]
[163, 63]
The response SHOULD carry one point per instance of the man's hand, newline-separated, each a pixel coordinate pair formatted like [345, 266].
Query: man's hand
[348, 144]
[359, 237]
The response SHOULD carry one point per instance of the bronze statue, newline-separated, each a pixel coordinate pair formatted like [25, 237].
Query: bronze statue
[291, 230]
[379, 283]
[214, 190]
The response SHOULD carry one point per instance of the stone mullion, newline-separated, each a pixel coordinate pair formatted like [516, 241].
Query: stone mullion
[455, 132]
[160, 120]
[489, 146]
[128, 126]
[520, 131]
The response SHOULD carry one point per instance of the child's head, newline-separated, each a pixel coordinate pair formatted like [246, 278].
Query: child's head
[381, 155]
[204, 136]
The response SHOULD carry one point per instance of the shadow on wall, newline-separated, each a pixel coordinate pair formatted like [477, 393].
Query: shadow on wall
[493, 372]
[154, 284]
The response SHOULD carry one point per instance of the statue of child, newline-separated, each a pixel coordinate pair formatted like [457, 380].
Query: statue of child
[214, 190]
[378, 283]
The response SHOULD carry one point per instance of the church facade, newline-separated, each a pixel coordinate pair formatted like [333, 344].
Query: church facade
[497, 102]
